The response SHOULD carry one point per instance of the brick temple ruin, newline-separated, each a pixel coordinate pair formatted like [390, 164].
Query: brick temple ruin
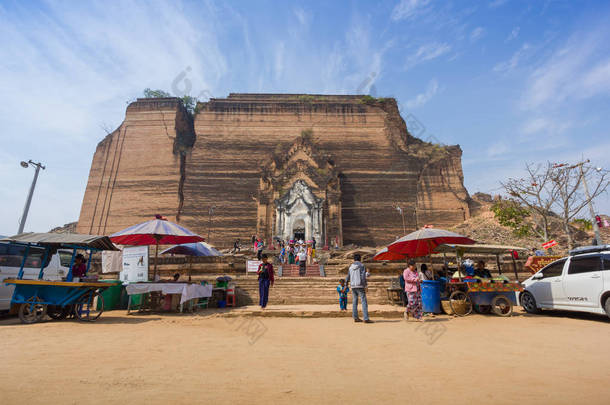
[329, 167]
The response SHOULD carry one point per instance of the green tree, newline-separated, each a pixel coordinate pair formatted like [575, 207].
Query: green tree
[189, 102]
[513, 215]
[150, 93]
[583, 223]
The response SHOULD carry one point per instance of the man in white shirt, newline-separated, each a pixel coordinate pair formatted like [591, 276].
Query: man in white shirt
[302, 255]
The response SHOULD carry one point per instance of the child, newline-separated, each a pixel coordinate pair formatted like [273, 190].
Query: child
[342, 289]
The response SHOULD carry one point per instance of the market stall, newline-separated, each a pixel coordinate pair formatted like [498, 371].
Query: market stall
[483, 294]
[59, 299]
[419, 244]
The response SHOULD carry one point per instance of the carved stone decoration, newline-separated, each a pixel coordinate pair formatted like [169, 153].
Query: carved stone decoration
[299, 188]
[299, 210]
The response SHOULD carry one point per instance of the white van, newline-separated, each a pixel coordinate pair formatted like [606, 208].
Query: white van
[579, 282]
[11, 257]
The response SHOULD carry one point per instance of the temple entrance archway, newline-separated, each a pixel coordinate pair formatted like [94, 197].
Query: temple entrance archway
[298, 230]
[299, 211]
[299, 194]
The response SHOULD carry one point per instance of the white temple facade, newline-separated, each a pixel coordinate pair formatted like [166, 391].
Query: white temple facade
[299, 214]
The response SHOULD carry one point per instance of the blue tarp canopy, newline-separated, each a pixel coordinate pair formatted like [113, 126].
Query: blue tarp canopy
[193, 249]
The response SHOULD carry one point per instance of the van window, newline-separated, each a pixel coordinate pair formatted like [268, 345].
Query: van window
[554, 269]
[65, 258]
[606, 261]
[584, 264]
[12, 256]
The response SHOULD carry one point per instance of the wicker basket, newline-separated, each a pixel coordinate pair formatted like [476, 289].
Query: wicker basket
[461, 306]
[446, 307]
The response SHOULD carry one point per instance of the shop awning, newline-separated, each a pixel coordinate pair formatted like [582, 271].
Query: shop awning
[482, 249]
[63, 240]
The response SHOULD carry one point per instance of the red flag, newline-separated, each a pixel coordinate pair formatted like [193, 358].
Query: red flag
[550, 244]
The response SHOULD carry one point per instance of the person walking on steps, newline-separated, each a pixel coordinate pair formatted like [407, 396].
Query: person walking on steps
[356, 277]
[265, 280]
[259, 249]
[302, 256]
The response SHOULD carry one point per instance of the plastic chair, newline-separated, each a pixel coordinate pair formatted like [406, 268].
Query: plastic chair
[200, 303]
[231, 298]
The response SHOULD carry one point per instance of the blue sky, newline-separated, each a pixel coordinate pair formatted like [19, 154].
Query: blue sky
[510, 81]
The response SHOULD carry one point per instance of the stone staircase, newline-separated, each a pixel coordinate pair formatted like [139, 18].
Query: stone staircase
[305, 290]
[292, 270]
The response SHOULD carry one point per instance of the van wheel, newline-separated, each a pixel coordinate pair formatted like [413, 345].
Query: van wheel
[528, 302]
[607, 306]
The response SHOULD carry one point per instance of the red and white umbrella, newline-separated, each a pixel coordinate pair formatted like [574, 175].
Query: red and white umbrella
[423, 242]
[385, 254]
[158, 231]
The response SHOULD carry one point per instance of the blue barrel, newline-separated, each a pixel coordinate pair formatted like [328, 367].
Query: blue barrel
[431, 296]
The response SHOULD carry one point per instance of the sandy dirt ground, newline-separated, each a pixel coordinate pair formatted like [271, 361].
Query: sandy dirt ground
[184, 359]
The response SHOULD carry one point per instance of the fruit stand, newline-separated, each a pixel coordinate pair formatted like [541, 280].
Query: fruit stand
[496, 294]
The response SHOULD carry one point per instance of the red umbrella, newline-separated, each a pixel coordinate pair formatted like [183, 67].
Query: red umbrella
[423, 242]
[157, 232]
[385, 254]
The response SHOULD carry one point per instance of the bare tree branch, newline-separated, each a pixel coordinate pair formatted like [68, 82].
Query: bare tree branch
[537, 192]
[572, 199]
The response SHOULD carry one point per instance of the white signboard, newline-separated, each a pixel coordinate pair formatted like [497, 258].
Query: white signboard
[135, 264]
[252, 266]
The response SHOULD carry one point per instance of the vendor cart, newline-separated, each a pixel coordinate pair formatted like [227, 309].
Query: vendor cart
[58, 299]
[497, 295]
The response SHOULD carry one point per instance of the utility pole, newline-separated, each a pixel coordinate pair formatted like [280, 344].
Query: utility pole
[26, 209]
[598, 238]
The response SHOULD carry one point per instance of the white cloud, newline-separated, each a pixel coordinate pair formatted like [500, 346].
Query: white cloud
[497, 149]
[279, 60]
[476, 34]
[423, 98]
[574, 72]
[545, 125]
[427, 52]
[597, 80]
[513, 62]
[407, 9]
[513, 34]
